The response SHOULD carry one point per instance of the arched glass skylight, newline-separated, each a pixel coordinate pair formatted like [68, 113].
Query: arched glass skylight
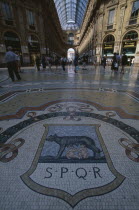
[71, 13]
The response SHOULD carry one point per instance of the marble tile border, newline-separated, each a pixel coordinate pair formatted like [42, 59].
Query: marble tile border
[19, 114]
[8, 133]
[10, 94]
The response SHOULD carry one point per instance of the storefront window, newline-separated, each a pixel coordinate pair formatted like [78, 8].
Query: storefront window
[111, 19]
[129, 43]
[7, 12]
[108, 45]
[11, 39]
[134, 13]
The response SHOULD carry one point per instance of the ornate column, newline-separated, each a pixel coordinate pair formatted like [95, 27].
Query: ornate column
[99, 38]
[136, 62]
[118, 43]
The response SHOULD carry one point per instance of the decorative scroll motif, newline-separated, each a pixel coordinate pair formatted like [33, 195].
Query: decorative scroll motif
[12, 147]
[32, 115]
[56, 108]
[85, 108]
[71, 110]
[131, 149]
[72, 114]
[109, 115]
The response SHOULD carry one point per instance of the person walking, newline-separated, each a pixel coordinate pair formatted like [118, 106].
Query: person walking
[124, 61]
[12, 64]
[44, 62]
[104, 62]
[38, 63]
[63, 63]
[132, 61]
[49, 62]
[94, 61]
[76, 62]
[118, 57]
[84, 62]
[56, 62]
[114, 65]
[18, 62]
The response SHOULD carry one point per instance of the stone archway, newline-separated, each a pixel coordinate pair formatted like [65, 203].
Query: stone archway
[71, 54]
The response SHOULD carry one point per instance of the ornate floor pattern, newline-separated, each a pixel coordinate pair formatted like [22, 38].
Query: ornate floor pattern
[66, 146]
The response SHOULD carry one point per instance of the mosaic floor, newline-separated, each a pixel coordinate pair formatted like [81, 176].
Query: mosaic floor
[69, 141]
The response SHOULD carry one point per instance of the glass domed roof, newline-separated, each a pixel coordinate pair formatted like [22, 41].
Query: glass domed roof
[71, 13]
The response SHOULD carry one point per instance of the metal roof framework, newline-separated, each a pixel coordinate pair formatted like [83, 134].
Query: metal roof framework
[71, 13]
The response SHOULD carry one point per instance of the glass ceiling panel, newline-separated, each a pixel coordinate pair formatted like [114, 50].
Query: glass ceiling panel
[71, 13]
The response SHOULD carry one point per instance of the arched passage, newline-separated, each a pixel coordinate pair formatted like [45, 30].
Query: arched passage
[34, 48]
[71, 54]
[108, 45]
[129, 43]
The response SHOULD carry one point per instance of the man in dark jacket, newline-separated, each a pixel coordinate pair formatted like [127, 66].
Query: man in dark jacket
[123, 62]
[63, 63]
[104, 62]
[44, 62]
[76, 62]
[12, 63]
[38, 63]
[114, 65]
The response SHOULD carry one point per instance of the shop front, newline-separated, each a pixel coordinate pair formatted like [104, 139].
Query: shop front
[129, 44]
[11, 39]
[108, 47]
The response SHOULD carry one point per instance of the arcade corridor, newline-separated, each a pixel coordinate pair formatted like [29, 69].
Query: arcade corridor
[69, 105]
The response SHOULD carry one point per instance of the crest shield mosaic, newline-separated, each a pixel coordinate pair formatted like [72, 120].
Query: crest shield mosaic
[72, 163]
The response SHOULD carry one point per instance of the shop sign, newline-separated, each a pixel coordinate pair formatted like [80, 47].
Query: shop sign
[129, 44]
[108, 46]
